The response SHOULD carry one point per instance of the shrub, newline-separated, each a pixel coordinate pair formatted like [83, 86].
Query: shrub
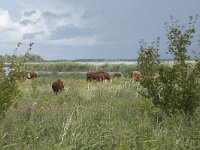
[9, 83]
[177, 88]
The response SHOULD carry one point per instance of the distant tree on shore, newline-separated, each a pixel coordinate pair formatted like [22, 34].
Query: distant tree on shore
[29, 58]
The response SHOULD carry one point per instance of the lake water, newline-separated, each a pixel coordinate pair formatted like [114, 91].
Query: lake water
[6, 70]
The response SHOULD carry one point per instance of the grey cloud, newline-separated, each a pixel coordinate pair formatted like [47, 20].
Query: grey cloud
[91, 14]
[48, 14]
[25, 22]
[52, 18]
[28, 14]
[71, 31]
[85, 52]
[8, 30]
[31, 35]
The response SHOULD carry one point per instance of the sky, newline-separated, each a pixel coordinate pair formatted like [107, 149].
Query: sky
[89, 29]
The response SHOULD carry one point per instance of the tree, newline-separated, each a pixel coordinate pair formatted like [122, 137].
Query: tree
[177, 88]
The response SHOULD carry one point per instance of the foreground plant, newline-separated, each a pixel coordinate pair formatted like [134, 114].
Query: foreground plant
[177, 88]
[9, 83]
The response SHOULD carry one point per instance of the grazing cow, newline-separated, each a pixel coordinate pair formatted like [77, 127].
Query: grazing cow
[57, 86]
[136, 75]
[118, 75]
[106, 76]
[95, 76]
[99, 76]
[31, 75]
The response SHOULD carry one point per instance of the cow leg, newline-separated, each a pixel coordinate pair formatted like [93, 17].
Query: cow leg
[88, 86]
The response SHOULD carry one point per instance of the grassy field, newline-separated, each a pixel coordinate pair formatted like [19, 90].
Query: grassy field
[105, 116]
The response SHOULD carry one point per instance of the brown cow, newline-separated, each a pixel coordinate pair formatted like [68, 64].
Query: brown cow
[95, 76]
[118, 75]
[31, 74]
[57, 86]
[136, 75]
[106, 76]
[99, 76]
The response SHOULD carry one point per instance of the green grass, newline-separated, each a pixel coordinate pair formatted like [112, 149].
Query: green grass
[107, 116]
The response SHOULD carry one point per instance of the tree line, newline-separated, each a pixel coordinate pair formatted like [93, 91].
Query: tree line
[29, 58]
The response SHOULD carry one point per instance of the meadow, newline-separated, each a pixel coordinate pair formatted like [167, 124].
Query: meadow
[110, 115]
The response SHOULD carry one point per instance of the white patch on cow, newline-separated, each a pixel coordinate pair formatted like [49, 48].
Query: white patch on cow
[28, 76]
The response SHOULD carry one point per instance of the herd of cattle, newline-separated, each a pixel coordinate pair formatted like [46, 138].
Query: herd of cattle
[58, 85]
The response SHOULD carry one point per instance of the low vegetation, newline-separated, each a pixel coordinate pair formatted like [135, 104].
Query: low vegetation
[108, 116]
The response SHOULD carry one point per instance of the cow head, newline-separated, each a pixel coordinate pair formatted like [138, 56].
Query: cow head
[28, 76]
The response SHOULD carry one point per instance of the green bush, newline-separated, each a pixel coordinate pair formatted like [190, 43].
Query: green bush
[9, 84]
[8, 91]
[177, 88]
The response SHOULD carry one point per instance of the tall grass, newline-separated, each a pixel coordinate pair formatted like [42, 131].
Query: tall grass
[77, 67]
[107, 116]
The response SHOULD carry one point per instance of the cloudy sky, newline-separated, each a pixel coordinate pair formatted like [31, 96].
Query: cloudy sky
[77, 29]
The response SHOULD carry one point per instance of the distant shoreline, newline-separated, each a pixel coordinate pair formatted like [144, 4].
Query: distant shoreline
[127, 62]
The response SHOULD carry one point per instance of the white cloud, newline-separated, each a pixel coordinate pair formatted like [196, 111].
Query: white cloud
[4, 18]
[13, 31]
[37, 25]
[7, 27]
[58, 7]
[46, 5]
